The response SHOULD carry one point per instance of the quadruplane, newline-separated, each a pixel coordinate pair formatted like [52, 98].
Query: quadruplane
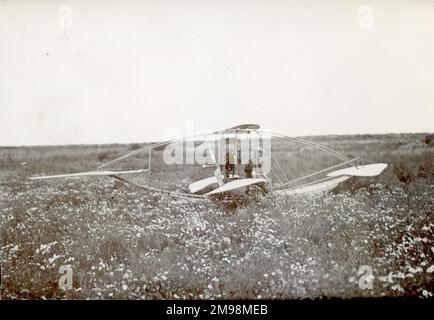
[239, 160]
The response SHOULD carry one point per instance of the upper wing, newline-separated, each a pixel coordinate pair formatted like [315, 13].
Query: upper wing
[249, 126]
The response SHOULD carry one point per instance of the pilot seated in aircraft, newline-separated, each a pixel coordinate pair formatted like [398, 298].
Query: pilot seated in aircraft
[248, 169]
[229, 167]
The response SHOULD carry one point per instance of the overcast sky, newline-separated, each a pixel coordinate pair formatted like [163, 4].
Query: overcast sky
[129, 71]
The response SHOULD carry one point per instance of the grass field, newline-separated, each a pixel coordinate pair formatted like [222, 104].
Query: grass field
[123, 243]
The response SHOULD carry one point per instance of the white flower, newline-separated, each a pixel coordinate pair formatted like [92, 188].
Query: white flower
[415, 270]
[426, 294]
[53, 258]
[397, 287]
[15, 248]
[124, 287]
[430, 269]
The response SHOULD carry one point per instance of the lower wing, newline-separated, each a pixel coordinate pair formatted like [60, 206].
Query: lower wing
[88, 173]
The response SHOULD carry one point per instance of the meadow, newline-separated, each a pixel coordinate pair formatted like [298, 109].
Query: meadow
[124, 243]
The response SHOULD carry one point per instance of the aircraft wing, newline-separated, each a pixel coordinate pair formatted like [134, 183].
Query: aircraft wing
[314, 187]
[88, 173]
[201, 184]
[236, 184]
[369, 170]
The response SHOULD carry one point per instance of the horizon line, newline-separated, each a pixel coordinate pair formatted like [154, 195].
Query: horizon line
[155, 141]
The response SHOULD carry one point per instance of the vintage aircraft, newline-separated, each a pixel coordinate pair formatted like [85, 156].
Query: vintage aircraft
[239, 160]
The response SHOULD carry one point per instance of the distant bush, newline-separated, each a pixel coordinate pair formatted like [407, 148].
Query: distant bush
[134, 146]
[429, 139]
[102, 156]
[403, 172]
